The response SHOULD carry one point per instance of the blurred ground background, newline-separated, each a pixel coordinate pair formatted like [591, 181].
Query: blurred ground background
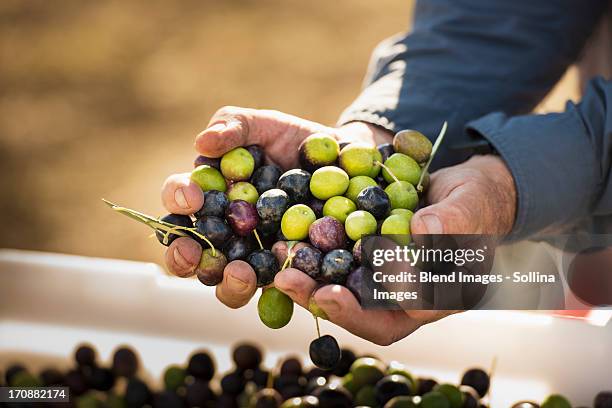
[103, 99]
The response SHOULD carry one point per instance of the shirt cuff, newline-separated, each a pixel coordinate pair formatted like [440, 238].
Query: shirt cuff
[550, 159]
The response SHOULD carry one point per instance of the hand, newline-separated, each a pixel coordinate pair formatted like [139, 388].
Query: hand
[280, 135]
[475, 197]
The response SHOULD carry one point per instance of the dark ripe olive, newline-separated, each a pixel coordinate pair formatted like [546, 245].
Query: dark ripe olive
[51, 377]
[307, 401]
[201, 366]
[247, 356]
[425, 385]
[268, 228]
[125, 362]
[258, 154]
[233, 383]
[215, 229]
[315, 372]
[137, 393]
[325, 352]
[268, 398]
[386, 150]
[238, 248]
[359, 281]
[199, 394]
[176, 219]
[327, 234]
[374, 200]
[215, 204]
[242, 217]
[85, 356]
[316, 382]
[342, 145]
[11, 371]
[347, 358]
[75, 380]
[334, 396]
[167, 399]
[316, 205]
[271, 205]
[226, 401]
[357, 251]
[265, 178]
[470, 397]
[308, 260]
[209, 161]
[211, 266]
[259, 377]
[477, 379]
[603, 400]
[100, 378]
[265, 265]
[392, 386]
[296, 183]
[336, 266]
[291, 367]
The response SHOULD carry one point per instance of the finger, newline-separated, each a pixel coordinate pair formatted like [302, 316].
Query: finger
[228, 129]
[238, 286]
[180, 195]
[183, 256]
[382, 327]
[295, 284]
[458, 213]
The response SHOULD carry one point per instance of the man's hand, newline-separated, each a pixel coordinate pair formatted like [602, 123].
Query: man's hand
[280, 135]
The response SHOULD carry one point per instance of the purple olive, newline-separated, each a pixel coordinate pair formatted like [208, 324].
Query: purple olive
[242, 217]
[209, 161]
[316, 205]
[210, 269]
[357, 280]
[327, 234]
[257, 153]
[308, 260]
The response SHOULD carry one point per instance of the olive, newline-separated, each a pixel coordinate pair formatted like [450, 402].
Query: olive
[327, 234]
[137, 393]
[272, 204]
[603, 400]
[242, 217]
[74, 380]
[201, 366]
[268, 398]
[316, 206]
[374, 200]
[434, 399]
[211, 266]
[425, 385]
[347, 358]
[413, 144]
[318, 150]
[317, 372]
[215, 229]
[258, 154]
[325, 352]
[392, 386]
[215, 204]
[275, 308]
[85, 356]
[308, 260]
[259, 377]
[452, 394]
[315, 382]
[478, 379]
[556, 401]
[470, 397]
[336, 266]
[233, 383]
[199, 394]
[386, 150]
[125, 362]
[265, 178]
[209, 161]
[367, 370]
[174, 377]
[291, 367]
[167, 399]
[265, 265]
[51, 377]
[247, 356]
[334, 396]
[11, 371]
[401, 402]
[237, 164]
[100, 378]
[176, 219]
[296, 183]
[238, 248]
[308, 401]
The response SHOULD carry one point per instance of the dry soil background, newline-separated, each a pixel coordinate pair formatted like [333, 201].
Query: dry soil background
[103, 99]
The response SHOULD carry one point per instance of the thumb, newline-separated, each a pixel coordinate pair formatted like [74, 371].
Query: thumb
[228, 129]
[452, 215]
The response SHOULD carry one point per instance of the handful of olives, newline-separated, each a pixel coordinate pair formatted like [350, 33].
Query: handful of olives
[337, 198]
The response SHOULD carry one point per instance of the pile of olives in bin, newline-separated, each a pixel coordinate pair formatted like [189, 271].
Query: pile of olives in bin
[342, 193]
[357, 381]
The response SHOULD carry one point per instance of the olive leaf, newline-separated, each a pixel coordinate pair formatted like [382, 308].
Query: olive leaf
[437, 144]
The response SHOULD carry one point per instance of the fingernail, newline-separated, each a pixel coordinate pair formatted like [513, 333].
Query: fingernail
[236, 284]
[217, 127]
[179, 197]
[329, 306]
[432, 224]
[180, 259]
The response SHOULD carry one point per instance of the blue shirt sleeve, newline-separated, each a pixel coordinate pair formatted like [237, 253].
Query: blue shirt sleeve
[467, 58]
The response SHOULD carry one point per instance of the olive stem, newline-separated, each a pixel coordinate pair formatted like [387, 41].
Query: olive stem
[388, 170]
[318, 328]
[436, 145]
[258, 240]
[491, 372]
[164, 227]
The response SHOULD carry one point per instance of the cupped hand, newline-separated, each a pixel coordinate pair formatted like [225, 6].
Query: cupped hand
[280, 135]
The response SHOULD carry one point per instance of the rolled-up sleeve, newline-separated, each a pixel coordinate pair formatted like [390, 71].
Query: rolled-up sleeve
[560, 162]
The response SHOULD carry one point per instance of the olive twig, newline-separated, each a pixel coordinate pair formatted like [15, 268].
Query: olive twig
[437, 144]
[388, 170]
[317, 323]
[491, 372]
[258, 240]
[166, 228]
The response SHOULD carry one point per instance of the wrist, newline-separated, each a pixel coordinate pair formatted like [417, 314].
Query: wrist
[363, 132]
